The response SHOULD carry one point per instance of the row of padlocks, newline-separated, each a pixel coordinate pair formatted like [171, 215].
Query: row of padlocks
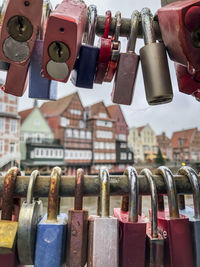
[170, 237]
[45, 46]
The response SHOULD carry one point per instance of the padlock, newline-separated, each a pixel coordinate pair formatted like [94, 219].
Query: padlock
[19, 74]
[154, 240]
[167, 2]
[64, 32]
[188, 83]
[8, 227]
[116, 45]
[77, 227]
[29, 216]
[105, 44]
[154, 63]
[124, 83]
[182, 41]
[51, 230]
[19, 24]
[175, 228]
[84, 69]
[132, 226]
[193, 214]
[103, 230]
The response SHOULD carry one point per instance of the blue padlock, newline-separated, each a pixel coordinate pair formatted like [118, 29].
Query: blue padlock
[40, 87]
[51, 230]
[85, 66]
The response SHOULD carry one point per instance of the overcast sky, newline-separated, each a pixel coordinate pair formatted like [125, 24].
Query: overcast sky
[182, 113]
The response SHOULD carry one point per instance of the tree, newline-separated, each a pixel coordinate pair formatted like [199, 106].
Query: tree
[159, 160]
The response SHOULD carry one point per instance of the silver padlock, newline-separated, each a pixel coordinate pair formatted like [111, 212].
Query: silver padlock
[154, 62]
[193, 214]
[30, 215]
[103, 231]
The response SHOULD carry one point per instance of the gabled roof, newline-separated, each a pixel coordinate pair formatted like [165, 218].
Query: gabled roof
[186, 135]
[95, 109]
[56, 108]
[112, 109]
[25, 113]
[140, 129]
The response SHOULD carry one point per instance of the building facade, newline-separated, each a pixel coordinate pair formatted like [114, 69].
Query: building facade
[186, 145]
[143, 142]
[9, 131]
[164, 143]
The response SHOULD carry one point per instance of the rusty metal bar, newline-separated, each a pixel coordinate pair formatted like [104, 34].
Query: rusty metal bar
[125, 27]
[118, 185]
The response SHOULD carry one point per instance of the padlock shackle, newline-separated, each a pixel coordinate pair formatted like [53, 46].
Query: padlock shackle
[92, 22]
[31, 184]
[107, 23]
[104, 192]
[147, 26]
[154, 201]
[118, 26]
[53, 198]
[171, 190]
[133, 194]
[124, 203]
[78, 193]
[8, 193]
[135, 18]
[194, 181]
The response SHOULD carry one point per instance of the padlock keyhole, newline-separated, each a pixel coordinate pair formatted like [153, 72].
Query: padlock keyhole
[59, 49]
[21, 25]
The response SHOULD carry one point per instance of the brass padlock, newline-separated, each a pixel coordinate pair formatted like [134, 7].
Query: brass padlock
[154, 62]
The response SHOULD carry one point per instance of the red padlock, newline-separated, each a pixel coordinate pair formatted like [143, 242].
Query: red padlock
[105, 43]
[64, 32]
[8, 223]
[113, 63]
[20, 20]
[132, 227]
[187, 83]
[180, 28]
[16, 79]
[175, 228]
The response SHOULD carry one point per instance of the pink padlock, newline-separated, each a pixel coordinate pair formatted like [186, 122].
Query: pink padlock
[19, 23]
[64, 32]
[16, 80]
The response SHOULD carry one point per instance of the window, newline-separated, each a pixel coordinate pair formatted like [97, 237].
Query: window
[36, 122]
[64, 122]
[102, 115]
[2, 107]
[89, 135]
[75, 133]
[75, 112]
[82, 134]
[68, 133]
[1, 146]
[122, 137]
[11, 97]
[78, 154]
[123, 156]
[123, 145]
[2, 124]
[81, 124]
[104, 123]
[12, 147]
[129, 156]
[104, 134]
[13, 126]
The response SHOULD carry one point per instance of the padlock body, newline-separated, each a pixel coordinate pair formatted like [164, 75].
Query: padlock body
[186, 82]
[103, 242]
[40, 87]
[156, 74]
[132, 240]
[178, 40]
[154, 249]
[178, 247]
[65, 24]
[50, 243]
[32, 12]
[8, 231]
[29, 217]
[18, 74]
[85, 67]
[77, 238]
[195, 233]
[124, 83]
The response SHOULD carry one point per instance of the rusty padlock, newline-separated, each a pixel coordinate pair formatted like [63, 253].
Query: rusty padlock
[124, 83]
[77, 227]
[19, 24]
[8, 225]
[182, 41]
[64, 32]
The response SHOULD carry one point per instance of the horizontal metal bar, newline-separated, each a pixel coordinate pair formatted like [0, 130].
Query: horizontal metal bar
[125, 27]
[119, 185]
